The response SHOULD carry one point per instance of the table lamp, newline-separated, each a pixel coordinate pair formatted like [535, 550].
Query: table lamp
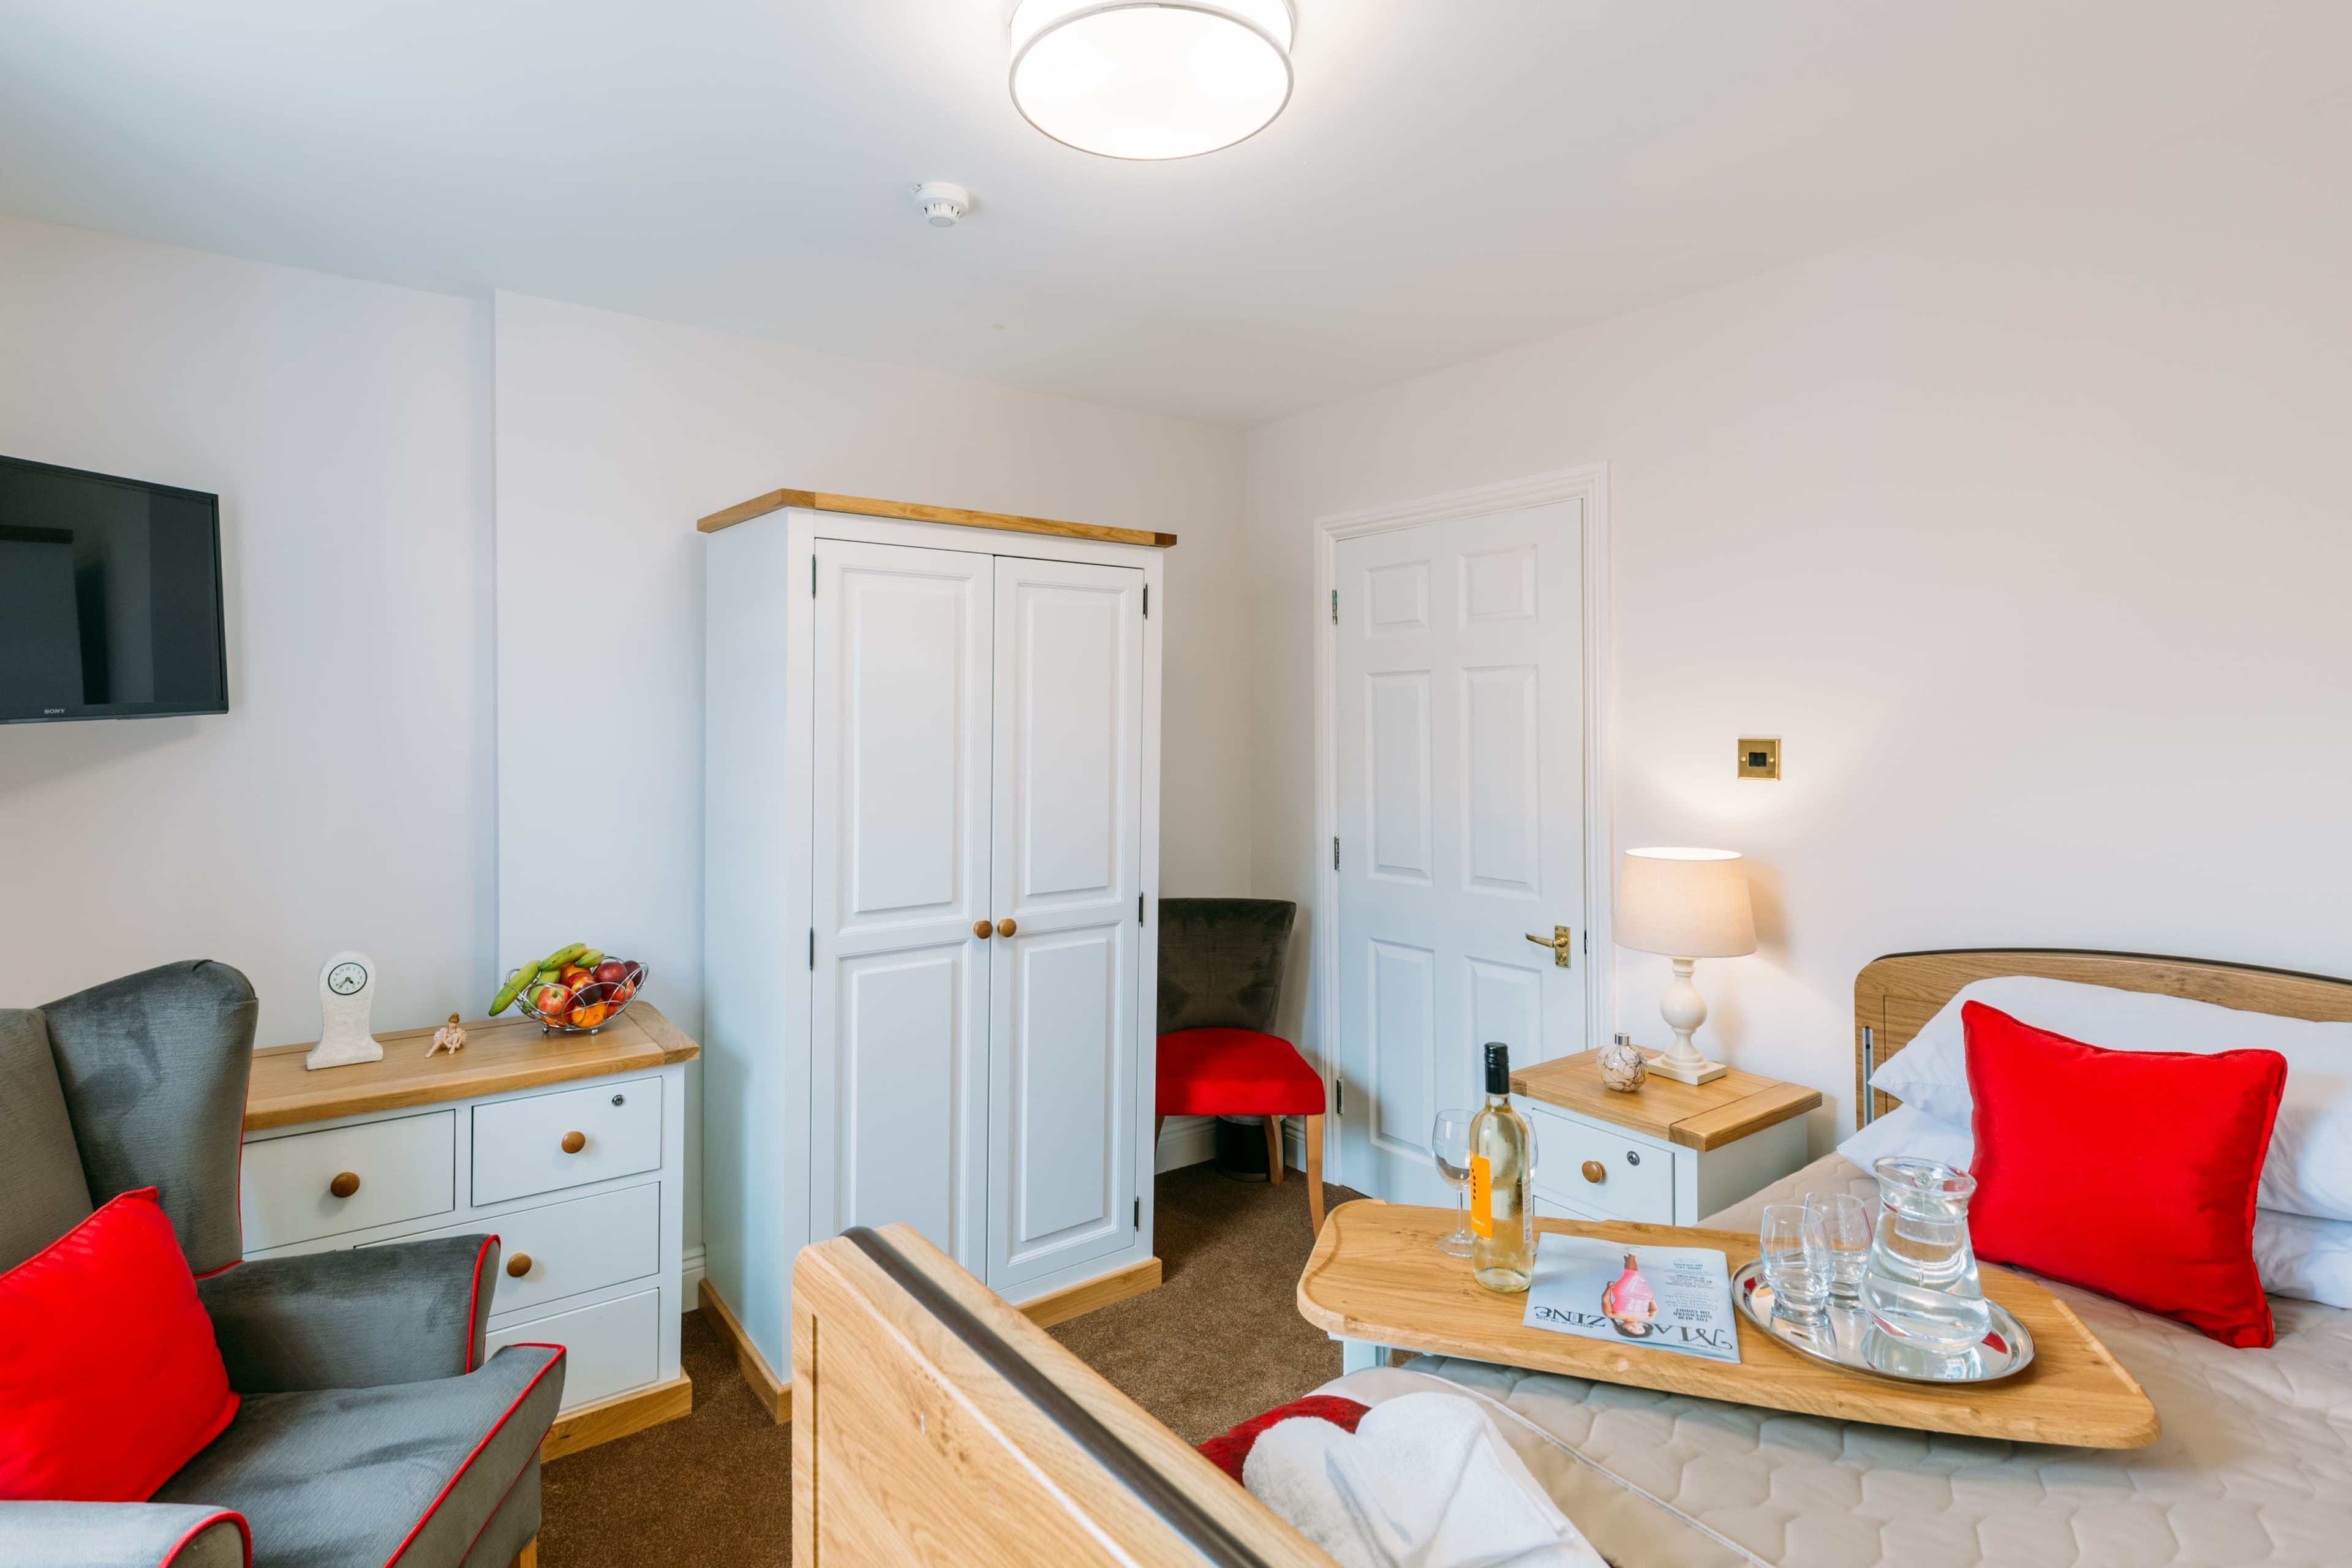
[1685, 904]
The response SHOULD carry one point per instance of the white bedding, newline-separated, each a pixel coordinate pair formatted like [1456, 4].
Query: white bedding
[2255, 1465]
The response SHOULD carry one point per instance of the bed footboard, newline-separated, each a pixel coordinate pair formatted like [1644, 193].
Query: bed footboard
[933, 1423]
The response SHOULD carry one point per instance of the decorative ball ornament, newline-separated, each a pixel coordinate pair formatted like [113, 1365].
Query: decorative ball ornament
[346, 996]
[1623, 1067]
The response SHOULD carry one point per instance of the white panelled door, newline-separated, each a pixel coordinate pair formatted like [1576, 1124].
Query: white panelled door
[904, 646]
[1458, 686]
[1067, 871]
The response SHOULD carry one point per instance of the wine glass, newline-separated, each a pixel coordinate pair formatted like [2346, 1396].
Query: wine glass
[1449, 1140]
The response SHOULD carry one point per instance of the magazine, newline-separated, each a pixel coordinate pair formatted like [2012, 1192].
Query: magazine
[1674, 1298]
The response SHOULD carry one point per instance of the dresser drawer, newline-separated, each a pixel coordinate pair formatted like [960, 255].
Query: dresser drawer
[406, 1169]
[1637, 1179]
[582, 1245]
[566, 1140]
[609, 1347]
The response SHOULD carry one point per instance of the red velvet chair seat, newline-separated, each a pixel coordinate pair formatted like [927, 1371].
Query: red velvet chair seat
[1234, 1072]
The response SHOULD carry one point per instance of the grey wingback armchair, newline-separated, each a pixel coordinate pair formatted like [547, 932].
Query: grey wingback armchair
[373, 1430]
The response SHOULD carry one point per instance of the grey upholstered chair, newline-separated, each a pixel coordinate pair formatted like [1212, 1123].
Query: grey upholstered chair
[1221, 965]
[372, 1428]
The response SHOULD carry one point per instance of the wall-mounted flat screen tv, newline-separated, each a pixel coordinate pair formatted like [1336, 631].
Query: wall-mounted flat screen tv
[109, 597]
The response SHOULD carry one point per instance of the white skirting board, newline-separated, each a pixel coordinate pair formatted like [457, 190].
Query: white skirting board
[1186, 1141]
[689, 1276]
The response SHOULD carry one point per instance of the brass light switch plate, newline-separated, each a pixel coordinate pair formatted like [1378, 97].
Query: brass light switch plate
[1760, 757]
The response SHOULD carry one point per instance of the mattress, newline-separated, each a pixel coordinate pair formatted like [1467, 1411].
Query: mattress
[2255, 1465]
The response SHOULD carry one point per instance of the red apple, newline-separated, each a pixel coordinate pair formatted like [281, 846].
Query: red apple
[611, 971]
[551, 1001]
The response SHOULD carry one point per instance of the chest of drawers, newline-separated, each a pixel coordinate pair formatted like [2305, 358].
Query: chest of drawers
[570, 1149]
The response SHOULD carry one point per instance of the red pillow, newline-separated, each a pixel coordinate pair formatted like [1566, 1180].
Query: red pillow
[107, 1368]
[1231, 1451]
[2130, 1173]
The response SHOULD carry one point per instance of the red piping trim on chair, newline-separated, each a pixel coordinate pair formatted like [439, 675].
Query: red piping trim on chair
[466, 1463]
[244, 1530]
[494, 1512]
[222, 1269]
[474, 1297]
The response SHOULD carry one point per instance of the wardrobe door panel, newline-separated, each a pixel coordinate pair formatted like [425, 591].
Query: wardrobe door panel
[899, 1008]
[1067, 871]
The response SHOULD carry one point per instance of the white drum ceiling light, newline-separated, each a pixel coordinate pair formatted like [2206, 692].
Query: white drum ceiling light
[1133, 78]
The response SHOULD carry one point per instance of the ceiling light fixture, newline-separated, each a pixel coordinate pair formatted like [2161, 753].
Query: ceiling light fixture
[1135, 78]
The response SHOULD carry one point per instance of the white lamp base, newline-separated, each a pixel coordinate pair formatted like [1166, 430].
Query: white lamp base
[1684, 1011]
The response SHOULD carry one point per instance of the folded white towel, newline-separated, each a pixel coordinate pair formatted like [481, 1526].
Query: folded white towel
[1424, 1482]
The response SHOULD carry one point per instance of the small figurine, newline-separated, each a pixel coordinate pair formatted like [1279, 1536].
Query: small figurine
[448, 1037]
[1623, 1068]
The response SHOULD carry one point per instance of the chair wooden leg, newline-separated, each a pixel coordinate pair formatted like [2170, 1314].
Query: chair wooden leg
[1274, 1150]
[528, 1556]
[1315, 1173]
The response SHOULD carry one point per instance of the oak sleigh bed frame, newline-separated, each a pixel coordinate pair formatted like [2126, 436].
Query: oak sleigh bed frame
[935, 1423]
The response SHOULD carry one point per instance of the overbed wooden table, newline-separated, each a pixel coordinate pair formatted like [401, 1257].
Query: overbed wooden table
[1376, 1280]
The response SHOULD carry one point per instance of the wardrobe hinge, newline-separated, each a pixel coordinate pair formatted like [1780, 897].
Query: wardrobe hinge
[1139, 909]
[1139, 1214]
[1147, 601]
[1335, 852]
[812, 947]
[1335, 606]
[1339, 1097]
[812, 576]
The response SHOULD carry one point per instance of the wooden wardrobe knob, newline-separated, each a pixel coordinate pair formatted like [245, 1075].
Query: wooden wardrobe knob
[345, 1184]
[1595, 1171]
[1005, 928]
[981, 929]
[518, 1266]
[574, 1141]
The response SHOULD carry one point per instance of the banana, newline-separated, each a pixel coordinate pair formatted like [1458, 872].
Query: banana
[562, 956]
[513, 989]
[590, 959]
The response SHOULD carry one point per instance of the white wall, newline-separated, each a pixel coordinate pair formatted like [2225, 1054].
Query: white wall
[345, 800]
[2029, 531]
[614, 433]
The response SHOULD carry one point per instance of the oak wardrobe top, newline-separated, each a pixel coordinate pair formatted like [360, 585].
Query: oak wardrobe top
[914, 511]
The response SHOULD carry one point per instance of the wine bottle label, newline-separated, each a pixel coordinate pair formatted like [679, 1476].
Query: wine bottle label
[1482, 1196]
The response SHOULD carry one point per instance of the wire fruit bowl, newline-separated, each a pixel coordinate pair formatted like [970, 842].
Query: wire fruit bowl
[593, 1005]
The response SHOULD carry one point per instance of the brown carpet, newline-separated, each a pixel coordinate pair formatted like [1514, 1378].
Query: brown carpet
[1219, 1342]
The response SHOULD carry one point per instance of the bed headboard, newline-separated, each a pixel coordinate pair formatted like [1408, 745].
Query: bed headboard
[1896, 995]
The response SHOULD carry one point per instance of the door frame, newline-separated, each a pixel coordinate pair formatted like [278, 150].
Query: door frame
[1588, 485]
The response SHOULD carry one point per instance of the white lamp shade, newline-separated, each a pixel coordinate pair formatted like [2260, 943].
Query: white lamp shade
[1133, 79]
[1684, 903]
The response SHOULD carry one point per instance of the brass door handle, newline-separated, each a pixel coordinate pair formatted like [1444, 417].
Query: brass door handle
[1595, 1171]
[345, 1184]
[1005, 928]
[981, 930]
[1563, 941]
[518, 1266]
[574, 1141]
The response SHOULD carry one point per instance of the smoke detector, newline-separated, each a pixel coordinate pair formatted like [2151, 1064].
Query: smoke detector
[942, 204]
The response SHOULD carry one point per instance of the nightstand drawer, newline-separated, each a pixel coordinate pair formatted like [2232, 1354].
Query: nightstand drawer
[609, 1347]
[309, 1184]
[1637, 1181]
[567, 1139]
[572, 1247]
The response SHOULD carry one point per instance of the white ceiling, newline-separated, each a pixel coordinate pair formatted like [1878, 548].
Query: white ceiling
[1453, 176]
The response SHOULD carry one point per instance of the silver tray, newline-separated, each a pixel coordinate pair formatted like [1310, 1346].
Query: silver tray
[1843, 1337]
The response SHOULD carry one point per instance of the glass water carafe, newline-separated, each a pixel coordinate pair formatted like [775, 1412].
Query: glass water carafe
[1920, 1287]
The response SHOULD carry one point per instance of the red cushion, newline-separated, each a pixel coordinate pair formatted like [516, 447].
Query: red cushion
[1231, 1451]
[1234, 1072]
[2130, 1173]
[108, 1369]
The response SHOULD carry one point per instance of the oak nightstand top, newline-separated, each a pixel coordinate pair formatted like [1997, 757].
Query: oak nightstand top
[1695, 1116]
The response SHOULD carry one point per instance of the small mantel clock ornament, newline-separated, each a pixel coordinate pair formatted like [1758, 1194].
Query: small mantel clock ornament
[346, 994]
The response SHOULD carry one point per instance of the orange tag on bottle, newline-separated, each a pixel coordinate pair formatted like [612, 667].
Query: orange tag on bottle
[1482, 1196]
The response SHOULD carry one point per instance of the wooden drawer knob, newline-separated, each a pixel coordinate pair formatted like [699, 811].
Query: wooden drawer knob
[518, 1266]
[1005, 928]
[1595, 1171]
[345, 1184]
[981, 929]
[574, 1141]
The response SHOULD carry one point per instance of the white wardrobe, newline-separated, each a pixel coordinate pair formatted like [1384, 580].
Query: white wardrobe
[931, 847]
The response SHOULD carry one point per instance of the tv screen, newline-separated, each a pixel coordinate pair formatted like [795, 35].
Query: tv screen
[109, 597]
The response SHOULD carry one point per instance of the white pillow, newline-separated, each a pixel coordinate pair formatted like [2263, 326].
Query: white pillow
[2309, 1168]
[2310, 1259]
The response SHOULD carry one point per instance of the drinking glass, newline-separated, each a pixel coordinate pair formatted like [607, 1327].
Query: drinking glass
[1845, 1231]
[1449, 1140]
[1796, 1261]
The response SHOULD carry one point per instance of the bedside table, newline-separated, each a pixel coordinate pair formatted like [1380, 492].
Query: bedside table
[1664, 1154]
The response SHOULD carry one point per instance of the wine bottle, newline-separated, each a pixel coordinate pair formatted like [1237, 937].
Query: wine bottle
[1502, 1185]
